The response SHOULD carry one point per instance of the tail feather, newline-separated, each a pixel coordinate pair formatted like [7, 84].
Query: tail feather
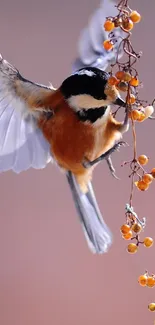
[97, 233]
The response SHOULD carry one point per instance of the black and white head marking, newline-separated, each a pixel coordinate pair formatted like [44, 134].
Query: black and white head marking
[85, 93]
[86, 81]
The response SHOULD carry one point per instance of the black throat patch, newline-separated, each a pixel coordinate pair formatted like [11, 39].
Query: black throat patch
[91, 114]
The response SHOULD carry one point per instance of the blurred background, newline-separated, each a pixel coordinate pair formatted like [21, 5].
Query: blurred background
[47, 273]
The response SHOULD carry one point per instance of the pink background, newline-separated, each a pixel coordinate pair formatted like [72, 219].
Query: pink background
[47, 274]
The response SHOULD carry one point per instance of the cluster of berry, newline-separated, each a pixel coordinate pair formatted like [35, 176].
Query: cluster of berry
[146, 179]
[125, 22]
[146, 280]
[132, 231]
[126, 79]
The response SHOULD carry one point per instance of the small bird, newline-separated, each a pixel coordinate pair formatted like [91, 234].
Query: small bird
[72, 125]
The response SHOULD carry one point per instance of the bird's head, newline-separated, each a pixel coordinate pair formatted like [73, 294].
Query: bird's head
[88, 88]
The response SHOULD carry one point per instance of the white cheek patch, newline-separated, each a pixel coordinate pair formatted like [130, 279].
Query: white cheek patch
[84, 101]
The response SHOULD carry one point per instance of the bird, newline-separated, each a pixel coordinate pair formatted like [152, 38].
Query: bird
[71, 125]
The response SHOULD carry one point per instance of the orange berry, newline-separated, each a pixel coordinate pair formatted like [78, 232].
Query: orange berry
[131, 99]
[128, 235]
[112, 81]
[143, 160]
[150, 282]
[123, 86]
[147, 178]
[127, 76]
[135, 114]
[135, 17]
[151, 306]
[142, 186]
[109, 26]
[148, 241]
[141, 117]
[132, 248]
[125, 229]
[137, 228]
[108, 45]
[127, 24]
[134, 82]
[117, 22]
[142, 280]
[153, 172]
[119, 75]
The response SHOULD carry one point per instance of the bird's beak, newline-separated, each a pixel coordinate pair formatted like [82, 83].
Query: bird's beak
[120, 102]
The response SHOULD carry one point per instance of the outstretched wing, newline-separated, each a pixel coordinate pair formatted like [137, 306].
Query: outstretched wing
[90, 45]
[22, 144]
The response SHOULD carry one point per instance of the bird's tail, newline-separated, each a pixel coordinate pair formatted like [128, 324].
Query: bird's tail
[98, 235]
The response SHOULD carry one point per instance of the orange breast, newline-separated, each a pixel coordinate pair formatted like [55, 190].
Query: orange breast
[72, 140]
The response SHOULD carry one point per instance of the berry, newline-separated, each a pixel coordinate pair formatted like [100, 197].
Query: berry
[142, 186]
[108, 45]
[148, 241]
[127, 24]
[151, 306]
[123, 86]
[135, 17]
[117, 22]
[120, 75]
[150, 282]
[142, 280]
[127, 236]
[147, 178]
[137, 228]
[127, 76]
[131, 99]
[125, 229]
[153, 172]
[134, 82]
[141, 117]
[135, 114]
[143, 160]
[109, 26]
[132, 248]
[112, 81]
[149, 111]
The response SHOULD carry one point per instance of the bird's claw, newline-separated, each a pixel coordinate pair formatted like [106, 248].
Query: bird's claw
[111, 167]
[117, 146]
[86, 163]
[113, 174]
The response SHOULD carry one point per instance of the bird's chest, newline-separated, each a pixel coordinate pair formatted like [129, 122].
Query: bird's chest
[74, 139]
[71, 139]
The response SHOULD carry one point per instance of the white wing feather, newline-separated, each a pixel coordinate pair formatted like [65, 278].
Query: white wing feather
[90, 46]
[22, 144]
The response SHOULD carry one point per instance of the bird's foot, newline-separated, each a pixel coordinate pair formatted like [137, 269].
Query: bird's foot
[105, 155]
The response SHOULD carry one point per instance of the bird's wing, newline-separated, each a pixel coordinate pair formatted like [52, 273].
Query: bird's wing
[90, 45]
[22, 144]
